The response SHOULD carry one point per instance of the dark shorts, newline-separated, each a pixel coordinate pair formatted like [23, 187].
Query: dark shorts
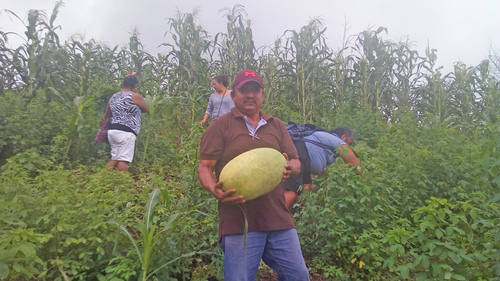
[304, 177]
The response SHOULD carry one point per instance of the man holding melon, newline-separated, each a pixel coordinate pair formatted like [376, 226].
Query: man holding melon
[254, 194]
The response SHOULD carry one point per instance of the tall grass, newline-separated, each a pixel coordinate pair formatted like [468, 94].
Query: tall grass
[305, 79]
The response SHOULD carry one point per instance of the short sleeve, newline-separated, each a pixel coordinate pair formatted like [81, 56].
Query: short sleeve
[212, 142]
[286, 144]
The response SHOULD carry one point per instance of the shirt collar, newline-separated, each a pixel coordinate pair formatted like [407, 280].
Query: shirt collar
[237, 114]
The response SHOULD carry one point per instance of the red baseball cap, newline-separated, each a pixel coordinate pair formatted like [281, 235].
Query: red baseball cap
[247, 75]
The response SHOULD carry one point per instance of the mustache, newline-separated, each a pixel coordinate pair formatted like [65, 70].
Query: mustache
[250, 99]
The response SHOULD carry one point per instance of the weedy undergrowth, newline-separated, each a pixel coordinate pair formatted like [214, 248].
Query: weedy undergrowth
[151, 237]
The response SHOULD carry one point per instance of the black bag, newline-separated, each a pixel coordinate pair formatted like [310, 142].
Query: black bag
[298, 131]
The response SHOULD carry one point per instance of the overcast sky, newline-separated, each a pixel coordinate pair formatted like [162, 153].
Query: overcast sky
[461, 30]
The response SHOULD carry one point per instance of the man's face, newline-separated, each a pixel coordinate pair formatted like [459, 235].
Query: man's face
[248, 98]
[348, 140]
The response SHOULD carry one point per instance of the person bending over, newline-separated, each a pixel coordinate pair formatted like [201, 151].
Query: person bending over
[314, 158]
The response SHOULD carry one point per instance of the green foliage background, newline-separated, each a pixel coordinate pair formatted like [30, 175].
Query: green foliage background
[427, 207]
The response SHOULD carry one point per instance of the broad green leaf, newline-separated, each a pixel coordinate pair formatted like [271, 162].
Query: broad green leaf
[467, 258]
[449, 230]
[456, 258]
[458, 277]
[166, 196]
[394, 247]
[4, 270]
[404, 271]
[441, 214]
[28, 249]
[473, 214]
[495, 198]
[417, 261]
[10, 253]
[425, 261]
[421, 277]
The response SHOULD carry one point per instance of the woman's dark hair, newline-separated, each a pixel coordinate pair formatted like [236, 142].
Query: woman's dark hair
[130, 81]
[339, 131]
[224, 79]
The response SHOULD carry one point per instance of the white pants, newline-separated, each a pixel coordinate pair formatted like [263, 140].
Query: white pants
[122, 145]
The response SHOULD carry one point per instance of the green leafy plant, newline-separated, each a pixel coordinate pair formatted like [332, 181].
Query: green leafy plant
[151, 238]
[18, 249]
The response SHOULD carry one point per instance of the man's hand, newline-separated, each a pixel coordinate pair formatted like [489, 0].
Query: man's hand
[225, 196]
[288, 168]
[207, 180]
[348, 156]
[292, 167]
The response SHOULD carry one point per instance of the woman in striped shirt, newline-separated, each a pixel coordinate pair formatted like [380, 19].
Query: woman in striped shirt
[126, 107]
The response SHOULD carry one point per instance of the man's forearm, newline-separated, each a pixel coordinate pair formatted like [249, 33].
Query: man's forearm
[207, 179]
[349, 157]
[295, 163]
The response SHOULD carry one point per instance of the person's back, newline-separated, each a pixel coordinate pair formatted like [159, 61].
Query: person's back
[320, 156]
[125, 112]
[125, 107]
[316, 151]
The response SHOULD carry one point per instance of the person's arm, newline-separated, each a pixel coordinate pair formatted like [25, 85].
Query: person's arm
[209, 110]
[348, 156]
[210, 106]
[205, 118]
[287, 147]
[108, 113]
[137, 99]
[207, 180]
[292, 167]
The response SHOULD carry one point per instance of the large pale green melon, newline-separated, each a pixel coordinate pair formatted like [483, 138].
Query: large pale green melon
[253, 173]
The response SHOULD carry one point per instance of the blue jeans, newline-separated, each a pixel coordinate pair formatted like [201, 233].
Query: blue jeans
[280, 250]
